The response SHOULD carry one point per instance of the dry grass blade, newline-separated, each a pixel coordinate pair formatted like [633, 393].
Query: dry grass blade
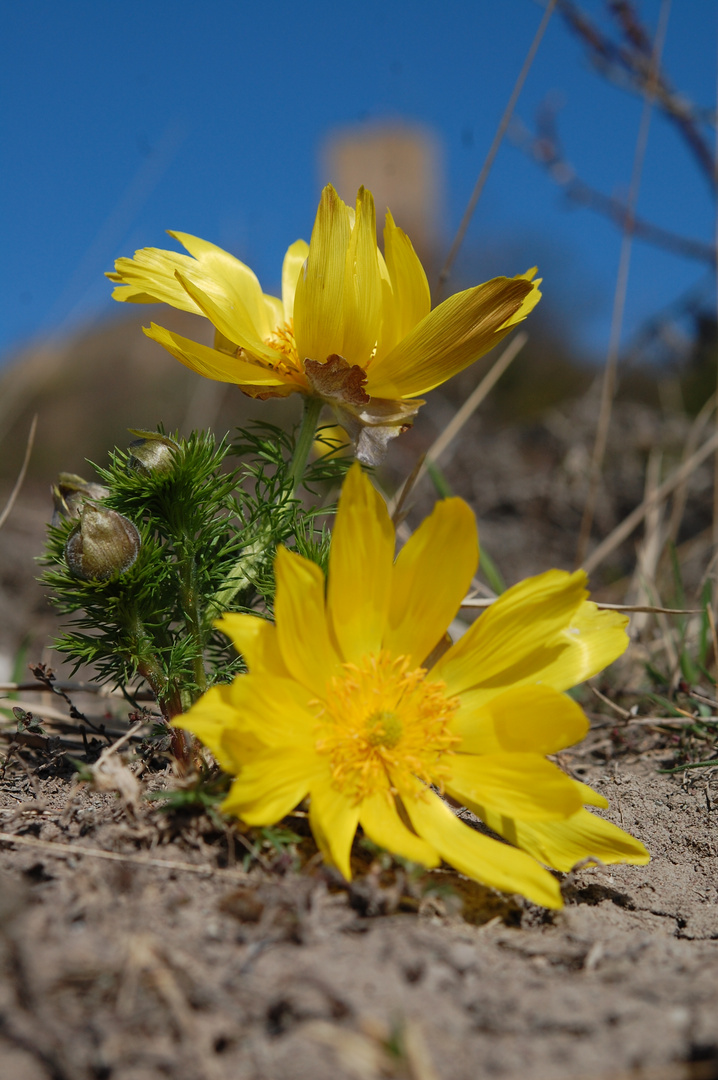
[650, 609]
[73, 851]
[21, 475]
[460, 418]
[633, 520]
[619, 299]
[715, 463]
[681, 496]
[397, 504]
[493, 149]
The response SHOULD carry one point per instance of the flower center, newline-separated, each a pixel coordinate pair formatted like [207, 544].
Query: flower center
[384, 729]
[383, 726]
[282, 341]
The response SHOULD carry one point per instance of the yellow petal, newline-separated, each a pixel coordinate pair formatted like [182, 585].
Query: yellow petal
[333, 820]
[480, 857]
[532, 718]
[301, 621]
[274, 710]
[407, 300]
[211, 363]
[381, 823]
[360, 566]
[274, 309]
[448, 339]
[518, 636]
[319, 296]
[521, 785]
[562, 844]
[362, 286]
[291, 269]
[431, 577]
[231, 318]
[209, 718]
[589, 797]
[255, 639]
[234, 280]
[149, 278]
[531, 300]
[592, 641]
[270, 786]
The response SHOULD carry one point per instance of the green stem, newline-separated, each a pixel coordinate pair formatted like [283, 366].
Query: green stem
[307, 431]
[191, 609]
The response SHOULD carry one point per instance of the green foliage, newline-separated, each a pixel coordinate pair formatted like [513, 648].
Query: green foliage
[208, 537]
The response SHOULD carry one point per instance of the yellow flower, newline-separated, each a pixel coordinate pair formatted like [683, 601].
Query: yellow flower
[353, 327]
[343, 704]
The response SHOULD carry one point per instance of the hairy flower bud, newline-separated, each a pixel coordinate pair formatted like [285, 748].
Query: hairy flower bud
[152, 452]
[71, 492]
[104, 543]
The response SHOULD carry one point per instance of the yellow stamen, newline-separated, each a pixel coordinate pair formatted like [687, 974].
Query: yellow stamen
[382, 726]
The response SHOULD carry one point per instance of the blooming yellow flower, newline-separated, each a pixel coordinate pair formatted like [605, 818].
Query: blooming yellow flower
[353, 327]
[341, 704]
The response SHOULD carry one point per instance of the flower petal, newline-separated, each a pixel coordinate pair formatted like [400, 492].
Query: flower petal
[360, 566]
[592, 641]
[291, 269]
[233, 282]
[407, 299]
[255, 639]
[274, 710]
[270, 785]
[209, 718]
[231, 318]
[427, 587]
[302, 623]
[381, 823]
[520, 785]
[149, 278]
[533, 718]
[319, 296]
[480, 857]
[518, 636]
[589, 797]
[333, 819]
[448, 339]
[211, 363]
[562, 844]
[362, 286]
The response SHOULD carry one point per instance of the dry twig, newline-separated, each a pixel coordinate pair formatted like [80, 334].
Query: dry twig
[21, 475]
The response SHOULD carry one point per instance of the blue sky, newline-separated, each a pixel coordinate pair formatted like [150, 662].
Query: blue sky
[123, 120]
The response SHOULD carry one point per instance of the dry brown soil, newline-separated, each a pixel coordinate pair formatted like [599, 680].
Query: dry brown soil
[132, 949]
[134, 946]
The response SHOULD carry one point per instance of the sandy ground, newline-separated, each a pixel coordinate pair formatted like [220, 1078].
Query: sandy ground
[162, 959]
[134, 945]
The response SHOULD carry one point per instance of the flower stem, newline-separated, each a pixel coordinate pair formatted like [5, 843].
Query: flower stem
[307, 430]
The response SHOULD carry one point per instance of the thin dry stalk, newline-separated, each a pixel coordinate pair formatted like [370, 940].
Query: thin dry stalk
[712, 621]
[21, 475]
[72, 851]
[458, 421]
[653, 609]
[715, 463]
[643, 587]
[493, 149]
[633, 520]
[619, 300]
[681, 495]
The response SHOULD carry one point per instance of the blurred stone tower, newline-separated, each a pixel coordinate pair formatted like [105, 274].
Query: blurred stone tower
[402, 166]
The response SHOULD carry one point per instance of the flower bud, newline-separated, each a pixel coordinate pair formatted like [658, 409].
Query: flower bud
[104, 543]
[152, 452]
[71, 492]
